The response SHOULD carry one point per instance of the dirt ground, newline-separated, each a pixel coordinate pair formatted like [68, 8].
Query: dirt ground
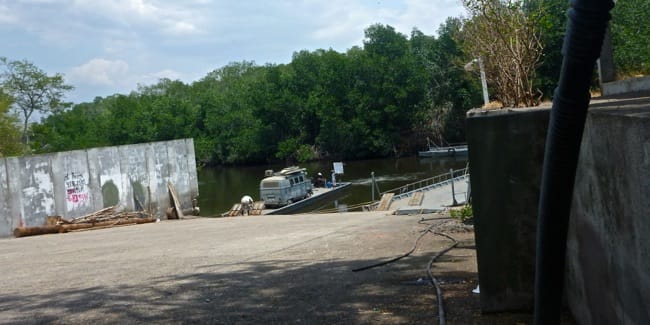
[245, 270]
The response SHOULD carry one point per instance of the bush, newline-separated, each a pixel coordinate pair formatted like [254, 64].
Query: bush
[464, 214]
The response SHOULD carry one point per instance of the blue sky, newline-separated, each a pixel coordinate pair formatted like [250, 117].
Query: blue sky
[105, 47]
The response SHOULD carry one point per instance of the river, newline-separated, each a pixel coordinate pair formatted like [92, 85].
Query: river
[221, 187]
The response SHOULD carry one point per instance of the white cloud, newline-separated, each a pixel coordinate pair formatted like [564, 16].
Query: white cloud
[427, 15]
[181, 28]
[346, 20]
[341, 20]
[100, 72]
[160, 16]
[5, 15]
[154, 77]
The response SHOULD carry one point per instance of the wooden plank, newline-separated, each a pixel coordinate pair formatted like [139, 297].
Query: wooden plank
[385, 201]
[235, 210]
[416, 199]
[174, 201]
[257, 208]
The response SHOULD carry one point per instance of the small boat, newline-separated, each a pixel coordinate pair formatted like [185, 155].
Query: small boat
[446, 151]
[449, 151]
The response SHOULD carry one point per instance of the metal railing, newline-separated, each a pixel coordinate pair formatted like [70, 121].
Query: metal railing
[429, 182]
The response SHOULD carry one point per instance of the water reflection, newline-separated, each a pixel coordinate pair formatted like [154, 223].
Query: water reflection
[221, 187]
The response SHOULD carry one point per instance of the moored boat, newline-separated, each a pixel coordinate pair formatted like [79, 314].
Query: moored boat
[447, 151]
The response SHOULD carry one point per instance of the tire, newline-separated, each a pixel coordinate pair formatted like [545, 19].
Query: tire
[451, 152]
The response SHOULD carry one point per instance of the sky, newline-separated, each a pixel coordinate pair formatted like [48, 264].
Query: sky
[104, 47]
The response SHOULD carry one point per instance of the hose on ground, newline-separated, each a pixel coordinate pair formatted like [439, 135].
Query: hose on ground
[396, 258]
[441, 309]
[434, 281]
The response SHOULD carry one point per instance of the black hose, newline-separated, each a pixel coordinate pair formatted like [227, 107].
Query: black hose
[582, 44]
[399, 257]
[441, 309]
[434, 281]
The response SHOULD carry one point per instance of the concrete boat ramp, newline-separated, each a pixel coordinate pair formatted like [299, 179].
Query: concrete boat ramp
[428, 196]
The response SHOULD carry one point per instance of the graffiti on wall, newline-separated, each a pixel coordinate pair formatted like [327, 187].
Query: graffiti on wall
[76, 189]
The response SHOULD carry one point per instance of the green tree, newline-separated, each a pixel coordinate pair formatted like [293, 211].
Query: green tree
[83, 126]
[550, 19]
[32, 90]
[387, 88]
[631, 37]
[9, 132]
[451, 91]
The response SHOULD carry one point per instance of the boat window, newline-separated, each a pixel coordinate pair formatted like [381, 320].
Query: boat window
[291, 181]
[301, 179]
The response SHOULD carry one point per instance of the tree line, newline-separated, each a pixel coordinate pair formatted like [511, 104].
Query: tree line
[385, 98]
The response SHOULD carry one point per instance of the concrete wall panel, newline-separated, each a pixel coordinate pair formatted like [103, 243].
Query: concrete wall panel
[192, 173]
[159, 170]
[37, 189]
[135, 178]
[110, 178]
[76, 183]
[94, 186]
[177, 155]
[5, 213]
[14, 198]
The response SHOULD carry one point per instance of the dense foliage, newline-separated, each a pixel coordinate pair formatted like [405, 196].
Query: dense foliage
[9, 131]
[631, 37]
[383, 99]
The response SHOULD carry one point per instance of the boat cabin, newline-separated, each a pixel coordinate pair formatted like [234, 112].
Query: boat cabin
[285, 187]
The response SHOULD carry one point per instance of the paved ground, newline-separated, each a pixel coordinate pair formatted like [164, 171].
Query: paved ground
[258, 269]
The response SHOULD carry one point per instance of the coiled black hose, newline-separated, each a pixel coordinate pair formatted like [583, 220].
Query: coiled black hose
[582, 44]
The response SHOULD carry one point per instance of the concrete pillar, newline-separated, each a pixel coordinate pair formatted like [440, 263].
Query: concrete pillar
[506, 153]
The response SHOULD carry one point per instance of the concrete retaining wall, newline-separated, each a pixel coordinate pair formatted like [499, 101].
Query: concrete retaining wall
[608, 251]
[75, 183]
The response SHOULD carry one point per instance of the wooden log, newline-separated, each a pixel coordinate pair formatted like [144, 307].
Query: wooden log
[32, 231]
[108, 224]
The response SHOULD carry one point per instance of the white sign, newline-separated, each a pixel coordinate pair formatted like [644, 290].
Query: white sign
[338, 168]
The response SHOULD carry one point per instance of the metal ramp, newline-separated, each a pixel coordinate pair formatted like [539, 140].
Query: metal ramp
[428, 195]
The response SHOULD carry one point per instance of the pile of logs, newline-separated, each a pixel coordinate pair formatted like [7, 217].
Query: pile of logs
[107, 217]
